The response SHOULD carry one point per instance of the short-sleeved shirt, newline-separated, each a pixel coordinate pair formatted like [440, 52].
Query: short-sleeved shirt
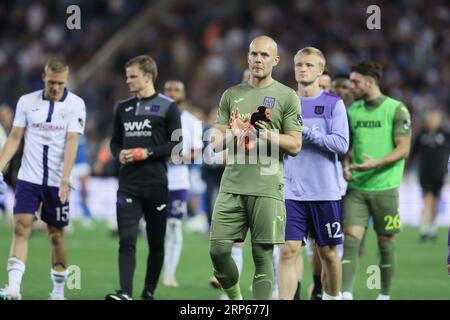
[47, 124]
[264, 176]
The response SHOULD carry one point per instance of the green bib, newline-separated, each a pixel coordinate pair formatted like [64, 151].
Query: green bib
[372, 131]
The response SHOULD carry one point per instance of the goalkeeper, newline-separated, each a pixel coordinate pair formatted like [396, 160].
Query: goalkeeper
[252, 195]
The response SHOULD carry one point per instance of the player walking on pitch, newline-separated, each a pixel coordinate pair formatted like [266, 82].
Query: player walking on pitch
[51, 120]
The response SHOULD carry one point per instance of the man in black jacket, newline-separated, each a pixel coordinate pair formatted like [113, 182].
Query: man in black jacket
[141, 141]
[431, 147]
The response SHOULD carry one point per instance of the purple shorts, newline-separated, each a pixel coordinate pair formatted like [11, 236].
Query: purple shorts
[448, 258]
[29, 196]
[177, 207]
[320, 219]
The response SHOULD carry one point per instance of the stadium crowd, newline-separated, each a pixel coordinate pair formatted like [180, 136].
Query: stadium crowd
[202, 44]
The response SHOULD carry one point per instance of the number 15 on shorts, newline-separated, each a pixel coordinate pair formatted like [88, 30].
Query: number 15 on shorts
[62, 214]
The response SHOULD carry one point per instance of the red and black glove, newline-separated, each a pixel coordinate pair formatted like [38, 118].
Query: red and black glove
[247, 140]
[139, 154]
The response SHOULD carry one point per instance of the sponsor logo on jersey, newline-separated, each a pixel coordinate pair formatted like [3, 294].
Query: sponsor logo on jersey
[269, 102]
[238, 100]
[368, 124]
[319, 109]
[242, 116]
[47, 127]
[138, 128]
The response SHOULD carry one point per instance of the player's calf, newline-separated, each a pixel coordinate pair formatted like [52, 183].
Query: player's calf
[332, 272]
[23, 224]
[287, 278]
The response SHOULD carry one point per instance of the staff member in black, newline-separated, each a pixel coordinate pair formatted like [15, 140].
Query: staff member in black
[432, 148]
[141, 141]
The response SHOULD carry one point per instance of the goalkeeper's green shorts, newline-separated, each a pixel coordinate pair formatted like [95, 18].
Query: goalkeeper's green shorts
[234, 214]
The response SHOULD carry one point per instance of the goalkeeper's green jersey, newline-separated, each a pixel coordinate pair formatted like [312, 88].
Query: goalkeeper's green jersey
[253, 172]
[374, 125]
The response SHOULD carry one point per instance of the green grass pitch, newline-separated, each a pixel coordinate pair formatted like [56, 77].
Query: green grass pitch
[421, 271]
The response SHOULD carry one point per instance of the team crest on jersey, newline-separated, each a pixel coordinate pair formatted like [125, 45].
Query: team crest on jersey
[269, 102]
[155, 108]
[319, 109]
[62, 115]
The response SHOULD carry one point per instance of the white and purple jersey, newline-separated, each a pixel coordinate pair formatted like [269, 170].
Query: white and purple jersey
[178, 175]
[313, 175]
[46, 126]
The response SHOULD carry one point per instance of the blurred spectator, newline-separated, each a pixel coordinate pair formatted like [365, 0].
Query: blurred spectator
[432, 148]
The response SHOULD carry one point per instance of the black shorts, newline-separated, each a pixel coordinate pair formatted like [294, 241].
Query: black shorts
[137, 202]
[431, 184]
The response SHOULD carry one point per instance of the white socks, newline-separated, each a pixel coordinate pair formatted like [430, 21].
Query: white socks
[275, 261]
[326, 296]
[433, 229]
[383, 297]
[236, 254]
[16, 269]
[59, 281]
[174, 244]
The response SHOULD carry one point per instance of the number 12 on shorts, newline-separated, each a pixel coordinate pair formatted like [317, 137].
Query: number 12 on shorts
[337, 233]
[62, 214]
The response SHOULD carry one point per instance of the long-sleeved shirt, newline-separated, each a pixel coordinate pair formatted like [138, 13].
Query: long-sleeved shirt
[145, 123]
[313, 175]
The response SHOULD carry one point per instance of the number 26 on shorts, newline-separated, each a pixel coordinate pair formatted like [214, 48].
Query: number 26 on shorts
[392, 222]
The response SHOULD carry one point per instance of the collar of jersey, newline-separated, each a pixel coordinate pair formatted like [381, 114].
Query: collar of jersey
[64, 96]
[147, 98]
[371, 104]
